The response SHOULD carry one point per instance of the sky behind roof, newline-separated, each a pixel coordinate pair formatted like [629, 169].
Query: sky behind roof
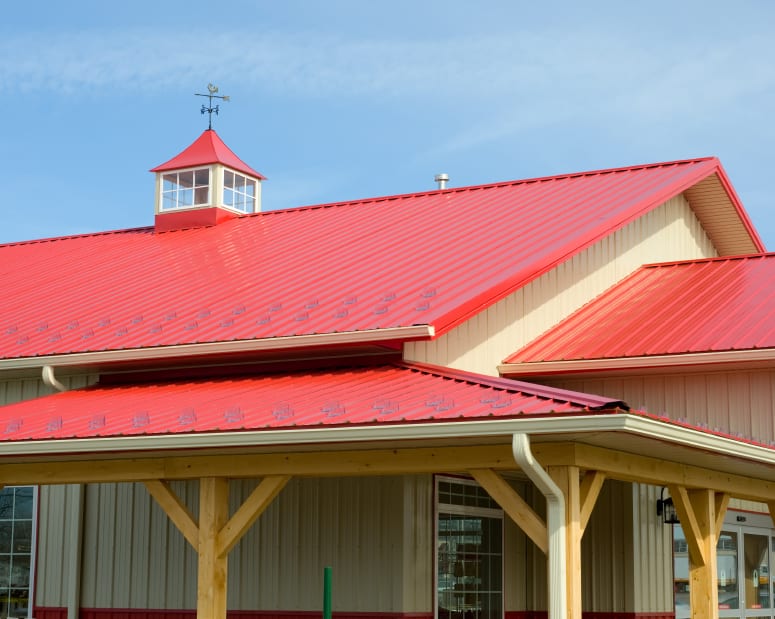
[348, 99]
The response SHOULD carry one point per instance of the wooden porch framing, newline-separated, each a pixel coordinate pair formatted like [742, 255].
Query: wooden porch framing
[700, 494]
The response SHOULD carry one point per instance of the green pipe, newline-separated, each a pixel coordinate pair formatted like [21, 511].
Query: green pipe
[326, 593]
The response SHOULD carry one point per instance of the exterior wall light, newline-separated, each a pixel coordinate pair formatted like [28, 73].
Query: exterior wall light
[666, 509]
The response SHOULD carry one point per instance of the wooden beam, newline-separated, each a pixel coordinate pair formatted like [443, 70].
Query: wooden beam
[567, 479]
[721, 501]
[591, 484]
[212, 569]
[514, 505]
[703, 592]
[317, 464]
[175, 509]
[656, 471]
[249, 511]
[689, 524]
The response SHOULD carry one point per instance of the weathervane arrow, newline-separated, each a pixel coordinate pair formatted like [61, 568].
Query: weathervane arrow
[212, 93]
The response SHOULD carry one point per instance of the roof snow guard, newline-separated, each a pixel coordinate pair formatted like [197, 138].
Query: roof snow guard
[390, 394]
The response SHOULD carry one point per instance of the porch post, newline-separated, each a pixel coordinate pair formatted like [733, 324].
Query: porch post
[697, 513]
[213, 515]
[567, 479]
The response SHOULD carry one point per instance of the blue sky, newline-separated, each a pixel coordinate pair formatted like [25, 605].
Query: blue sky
[347, 99]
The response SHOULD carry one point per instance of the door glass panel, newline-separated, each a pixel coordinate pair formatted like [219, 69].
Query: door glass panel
[469, 545]
[726, 571]
[756, 570]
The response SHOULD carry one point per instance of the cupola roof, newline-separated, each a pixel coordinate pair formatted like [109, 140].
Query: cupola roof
[206, 149]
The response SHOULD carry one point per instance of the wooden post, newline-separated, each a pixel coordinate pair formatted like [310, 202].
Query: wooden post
[697, 512]
[567, 479]
[213, 515]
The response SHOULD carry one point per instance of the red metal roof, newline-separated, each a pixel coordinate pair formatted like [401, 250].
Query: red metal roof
[207, 148]
[434, 258]
[386, 394]
[720, 304]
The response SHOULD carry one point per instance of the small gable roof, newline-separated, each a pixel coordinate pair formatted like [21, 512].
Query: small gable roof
[429, 260]
[384, 394]
[206, 149]
[700, 306]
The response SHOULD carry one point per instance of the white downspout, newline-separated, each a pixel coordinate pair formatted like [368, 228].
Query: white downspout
[555, 523]
[51, 380]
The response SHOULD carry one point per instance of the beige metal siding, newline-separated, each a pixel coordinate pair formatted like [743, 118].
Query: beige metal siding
[361, 527]
[669, 232]
[741, 403]
[19, 389]
[652, 553]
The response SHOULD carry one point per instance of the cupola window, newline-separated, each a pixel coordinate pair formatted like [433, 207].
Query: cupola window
[185, 189]
[239, 192]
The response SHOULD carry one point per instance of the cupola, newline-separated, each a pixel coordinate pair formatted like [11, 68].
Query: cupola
[205, 185]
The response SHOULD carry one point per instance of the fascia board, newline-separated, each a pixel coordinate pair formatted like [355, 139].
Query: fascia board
[544, 426]
[544, 368]
[218, 348]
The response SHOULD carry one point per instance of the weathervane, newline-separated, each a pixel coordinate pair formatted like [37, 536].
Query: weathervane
[212, 90]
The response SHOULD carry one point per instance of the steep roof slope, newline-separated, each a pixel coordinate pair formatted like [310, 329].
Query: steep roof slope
[433, 259]
[700, 306]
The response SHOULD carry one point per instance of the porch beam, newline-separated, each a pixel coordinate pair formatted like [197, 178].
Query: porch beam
[249, 511]
[514, 505]
[648, 470]
[567, 479]
[591, 484]
[175, 509]
[689, 524]
[319, 464]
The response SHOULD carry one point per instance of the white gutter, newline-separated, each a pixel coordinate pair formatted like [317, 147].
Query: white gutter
[219, 348]
[378, 433]
[555, 523]
[625, 363]
[51, 380]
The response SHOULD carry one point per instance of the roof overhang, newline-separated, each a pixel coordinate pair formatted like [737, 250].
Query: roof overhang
[690, 362]
[153, 355]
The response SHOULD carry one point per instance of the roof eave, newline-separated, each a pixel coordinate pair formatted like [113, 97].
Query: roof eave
[215, 349]
[714, 360]
[544, 427]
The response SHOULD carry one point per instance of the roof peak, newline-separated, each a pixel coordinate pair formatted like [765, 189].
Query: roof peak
[206, 149]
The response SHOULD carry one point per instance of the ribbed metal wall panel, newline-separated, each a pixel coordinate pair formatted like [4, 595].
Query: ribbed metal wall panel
[652, 553]
[670, 232]
[362, 527]
[606, 552]
[19, 389]
[740, 403]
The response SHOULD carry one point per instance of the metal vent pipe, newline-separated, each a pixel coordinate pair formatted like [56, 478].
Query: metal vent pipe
[441, 179]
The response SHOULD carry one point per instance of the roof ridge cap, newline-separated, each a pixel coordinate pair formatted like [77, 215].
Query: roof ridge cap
[68, 237]
[508, 384]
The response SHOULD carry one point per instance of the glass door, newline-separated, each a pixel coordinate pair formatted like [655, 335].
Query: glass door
[744, 556]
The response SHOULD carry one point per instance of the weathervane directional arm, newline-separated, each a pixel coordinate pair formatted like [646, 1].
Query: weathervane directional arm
[212, 93]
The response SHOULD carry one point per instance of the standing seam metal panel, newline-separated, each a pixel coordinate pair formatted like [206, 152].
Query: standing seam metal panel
[669, 232]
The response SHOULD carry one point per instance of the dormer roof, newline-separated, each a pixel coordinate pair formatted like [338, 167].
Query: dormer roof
[206, 149]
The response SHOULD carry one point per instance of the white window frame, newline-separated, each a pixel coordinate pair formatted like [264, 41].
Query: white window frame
[247, 198]
[176, 191]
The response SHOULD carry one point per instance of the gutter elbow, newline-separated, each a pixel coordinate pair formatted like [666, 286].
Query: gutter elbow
[50, 379]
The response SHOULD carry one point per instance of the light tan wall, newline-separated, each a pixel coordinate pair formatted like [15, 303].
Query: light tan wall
[735, 402]
[669, 232]
[363, 528]
[652, 553]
